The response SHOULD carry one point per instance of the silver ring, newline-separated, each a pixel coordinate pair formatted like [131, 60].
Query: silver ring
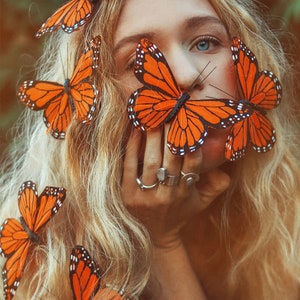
[164, 178]
[189, 178]
[143, 186]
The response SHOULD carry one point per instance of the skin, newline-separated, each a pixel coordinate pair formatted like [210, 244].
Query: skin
[193, 38]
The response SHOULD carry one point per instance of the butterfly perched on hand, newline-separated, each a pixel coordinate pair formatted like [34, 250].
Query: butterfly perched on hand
[69, 17]
[85, 277]
[261, 91]
[161, 101]
[60, 100]
[16, 237]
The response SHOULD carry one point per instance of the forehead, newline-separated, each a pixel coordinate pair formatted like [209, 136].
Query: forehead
[139, 16]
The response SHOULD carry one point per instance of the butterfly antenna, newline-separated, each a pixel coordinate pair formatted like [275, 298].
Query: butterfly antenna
[202, 78]
[62, 65]
[227, 94]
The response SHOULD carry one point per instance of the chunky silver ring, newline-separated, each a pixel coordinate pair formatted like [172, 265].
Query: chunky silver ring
[164, 178]
[143, 186]
[189, 178]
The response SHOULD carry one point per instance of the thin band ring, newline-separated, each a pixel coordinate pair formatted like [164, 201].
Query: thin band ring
[189, 178]
[166, 179]
[143, 186]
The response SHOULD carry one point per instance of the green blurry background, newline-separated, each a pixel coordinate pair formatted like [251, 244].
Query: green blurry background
[19, 48]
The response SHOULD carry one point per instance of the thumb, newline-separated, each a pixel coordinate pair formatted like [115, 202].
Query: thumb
[215, 182]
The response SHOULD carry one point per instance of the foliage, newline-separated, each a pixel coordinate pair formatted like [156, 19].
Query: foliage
[18, 53]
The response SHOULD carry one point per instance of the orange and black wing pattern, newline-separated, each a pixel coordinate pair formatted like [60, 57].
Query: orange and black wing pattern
[85, 277]
[69, 17]
[161, 101]
[60, 101]
[261, 91]
[16, 237]
[85, 274]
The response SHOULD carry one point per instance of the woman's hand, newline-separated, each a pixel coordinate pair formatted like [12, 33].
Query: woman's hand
[165, 209]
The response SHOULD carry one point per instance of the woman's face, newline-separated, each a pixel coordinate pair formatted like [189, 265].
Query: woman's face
[190, 35]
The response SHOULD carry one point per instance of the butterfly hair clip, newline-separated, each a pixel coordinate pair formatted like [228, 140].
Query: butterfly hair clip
[70, 17]
[59, 101]
[161, 101]
[261, 91]
[17, 236]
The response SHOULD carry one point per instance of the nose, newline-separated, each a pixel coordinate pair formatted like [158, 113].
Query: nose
[184, 69]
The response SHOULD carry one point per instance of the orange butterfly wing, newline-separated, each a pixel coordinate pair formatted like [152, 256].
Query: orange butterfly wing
[53, 99]
[237, 141]
[189, 128]
[161, 101]
[150, 106]
[83, 92]
[59, 101]
[261, 131]
[16, 237]
[261, 91]
[14, 244]
[84, 274]
[69, 17]
[148, 109]
[85, 277]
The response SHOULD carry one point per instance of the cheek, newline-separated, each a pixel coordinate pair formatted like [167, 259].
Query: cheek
[128, 82]
[213, 149]
[223, 82]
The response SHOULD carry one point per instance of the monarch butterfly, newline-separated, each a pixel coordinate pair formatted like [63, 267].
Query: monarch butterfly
[85, 277]
[161, 101]
[59, 101]
[261, 91]
[69, 17]
[17, 237]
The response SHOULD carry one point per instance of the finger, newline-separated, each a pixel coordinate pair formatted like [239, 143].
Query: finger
[191, 168]
[192, 162]
[152, 157]
[171, 163]
[216, 182]
[131, 157]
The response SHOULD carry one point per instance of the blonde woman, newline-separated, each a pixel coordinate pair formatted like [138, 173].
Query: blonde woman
[234, 234]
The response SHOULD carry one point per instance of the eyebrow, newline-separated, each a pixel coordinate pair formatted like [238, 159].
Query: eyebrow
[133, 39]
[187, 25]
[201, 21]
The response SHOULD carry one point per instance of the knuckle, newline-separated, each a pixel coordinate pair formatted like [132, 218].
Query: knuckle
[152, 163]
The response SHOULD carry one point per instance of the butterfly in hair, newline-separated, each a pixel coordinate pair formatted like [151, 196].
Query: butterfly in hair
[85, 277]
[59, 101]
[69, 17]
[16, 237]
[161, 101]
[261, 91]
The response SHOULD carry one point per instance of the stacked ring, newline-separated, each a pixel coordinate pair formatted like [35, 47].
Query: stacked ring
[189, 178]
[169, 180]
[145, 187]
[166, 179]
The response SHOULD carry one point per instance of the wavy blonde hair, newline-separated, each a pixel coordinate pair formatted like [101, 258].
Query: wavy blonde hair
[264, 196]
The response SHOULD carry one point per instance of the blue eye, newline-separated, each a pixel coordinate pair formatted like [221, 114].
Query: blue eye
[203, 45]
[207, 44]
